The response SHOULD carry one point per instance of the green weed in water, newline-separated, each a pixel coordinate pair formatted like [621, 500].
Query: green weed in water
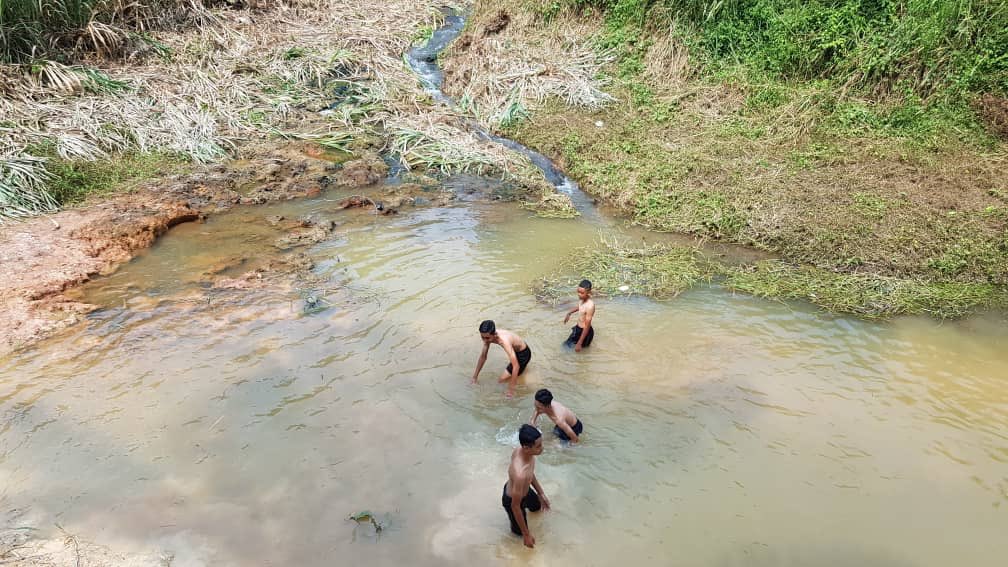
[365, 517]
[659, 271]
[865, 295]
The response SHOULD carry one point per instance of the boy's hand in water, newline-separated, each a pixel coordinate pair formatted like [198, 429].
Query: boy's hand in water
[577, 348]
[529, 541]
[473, 381]
[545, 502]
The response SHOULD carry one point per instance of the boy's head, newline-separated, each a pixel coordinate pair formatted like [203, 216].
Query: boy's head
[530, 438]
[584, 290]
[543, 399]
[487, 330]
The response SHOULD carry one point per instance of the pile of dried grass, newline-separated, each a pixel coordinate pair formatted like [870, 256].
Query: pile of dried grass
[507, 63]
[240, 75]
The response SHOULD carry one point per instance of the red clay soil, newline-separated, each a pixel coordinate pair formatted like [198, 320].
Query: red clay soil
[44, 256]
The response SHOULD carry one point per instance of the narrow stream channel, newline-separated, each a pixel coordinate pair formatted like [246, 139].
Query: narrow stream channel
[423, 60]
[229, 427]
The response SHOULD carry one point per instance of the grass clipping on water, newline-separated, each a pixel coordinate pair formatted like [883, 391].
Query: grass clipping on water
[660, 271]
[552, 205]
[868, 296]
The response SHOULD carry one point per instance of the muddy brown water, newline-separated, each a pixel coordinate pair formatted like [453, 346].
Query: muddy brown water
[229, 427]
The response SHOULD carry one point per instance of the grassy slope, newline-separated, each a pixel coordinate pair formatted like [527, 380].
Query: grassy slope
[875, 206]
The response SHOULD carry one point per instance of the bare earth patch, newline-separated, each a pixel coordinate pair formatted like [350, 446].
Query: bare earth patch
[44, 256]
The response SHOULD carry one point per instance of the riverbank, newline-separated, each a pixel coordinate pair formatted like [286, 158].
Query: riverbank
[892, 208]
[232, 106]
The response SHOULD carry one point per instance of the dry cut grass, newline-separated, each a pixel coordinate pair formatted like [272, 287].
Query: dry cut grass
[500, 76]
[239, 76]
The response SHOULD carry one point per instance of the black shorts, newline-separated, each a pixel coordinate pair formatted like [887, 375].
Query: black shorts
[523, 356]
[578, 428]
[576, 334]
[530, 502]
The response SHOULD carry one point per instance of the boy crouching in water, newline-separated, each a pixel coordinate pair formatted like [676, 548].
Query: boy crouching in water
[567, 427]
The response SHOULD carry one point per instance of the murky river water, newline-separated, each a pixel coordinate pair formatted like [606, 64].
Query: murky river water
[231, 428]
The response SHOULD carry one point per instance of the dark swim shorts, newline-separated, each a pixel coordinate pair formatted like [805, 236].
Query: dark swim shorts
[576, 334]
[530, 502]
[523, 356]
[578, 428]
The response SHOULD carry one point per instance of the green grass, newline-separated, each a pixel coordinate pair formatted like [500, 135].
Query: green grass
[73, 182]
[864, 295]
[653, 271]
[946, 48]
[663, 272]
[893, 207]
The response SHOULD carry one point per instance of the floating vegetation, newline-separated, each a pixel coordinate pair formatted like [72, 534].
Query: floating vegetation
[365, 517]
[660, 271]
[865, 295]
[553, 205]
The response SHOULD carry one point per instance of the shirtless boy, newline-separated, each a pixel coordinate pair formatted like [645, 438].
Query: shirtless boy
[567, 425]
[517, 350]
[582, 333]
[522, 490]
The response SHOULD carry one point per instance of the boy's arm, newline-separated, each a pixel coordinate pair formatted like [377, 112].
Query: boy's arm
[480, 362]
[514, 364]
[571, 312]
[539, 490]
[516, 511]
[535, 417]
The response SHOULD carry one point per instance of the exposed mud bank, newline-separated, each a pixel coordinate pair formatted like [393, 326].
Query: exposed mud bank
[46, 256]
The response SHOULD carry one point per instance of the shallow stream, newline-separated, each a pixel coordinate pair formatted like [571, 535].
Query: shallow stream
[231, 427]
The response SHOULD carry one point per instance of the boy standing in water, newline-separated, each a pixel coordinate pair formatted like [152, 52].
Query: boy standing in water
[517, 350]
[567, 425]
[522, 490]
[582, 333]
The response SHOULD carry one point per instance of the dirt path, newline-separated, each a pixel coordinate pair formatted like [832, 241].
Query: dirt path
[45, 256]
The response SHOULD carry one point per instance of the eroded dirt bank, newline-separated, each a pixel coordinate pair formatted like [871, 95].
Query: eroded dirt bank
[45, 256]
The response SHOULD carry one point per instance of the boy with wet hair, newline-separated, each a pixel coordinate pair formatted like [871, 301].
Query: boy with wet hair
[522, 490]
[515, 347]
[567, 425]
[582, 333]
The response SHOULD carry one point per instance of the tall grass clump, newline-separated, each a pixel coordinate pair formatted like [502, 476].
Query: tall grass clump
[41, 29]
[23, 191]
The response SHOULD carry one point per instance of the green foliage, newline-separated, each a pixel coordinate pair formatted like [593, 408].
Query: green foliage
[866, 295]
[423, 34]
[72, 182]
[949, 48]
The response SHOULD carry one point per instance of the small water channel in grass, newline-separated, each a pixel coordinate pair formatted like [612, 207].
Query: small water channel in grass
[233, 427]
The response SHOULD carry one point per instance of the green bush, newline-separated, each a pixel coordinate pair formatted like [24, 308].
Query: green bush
[948, 48]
